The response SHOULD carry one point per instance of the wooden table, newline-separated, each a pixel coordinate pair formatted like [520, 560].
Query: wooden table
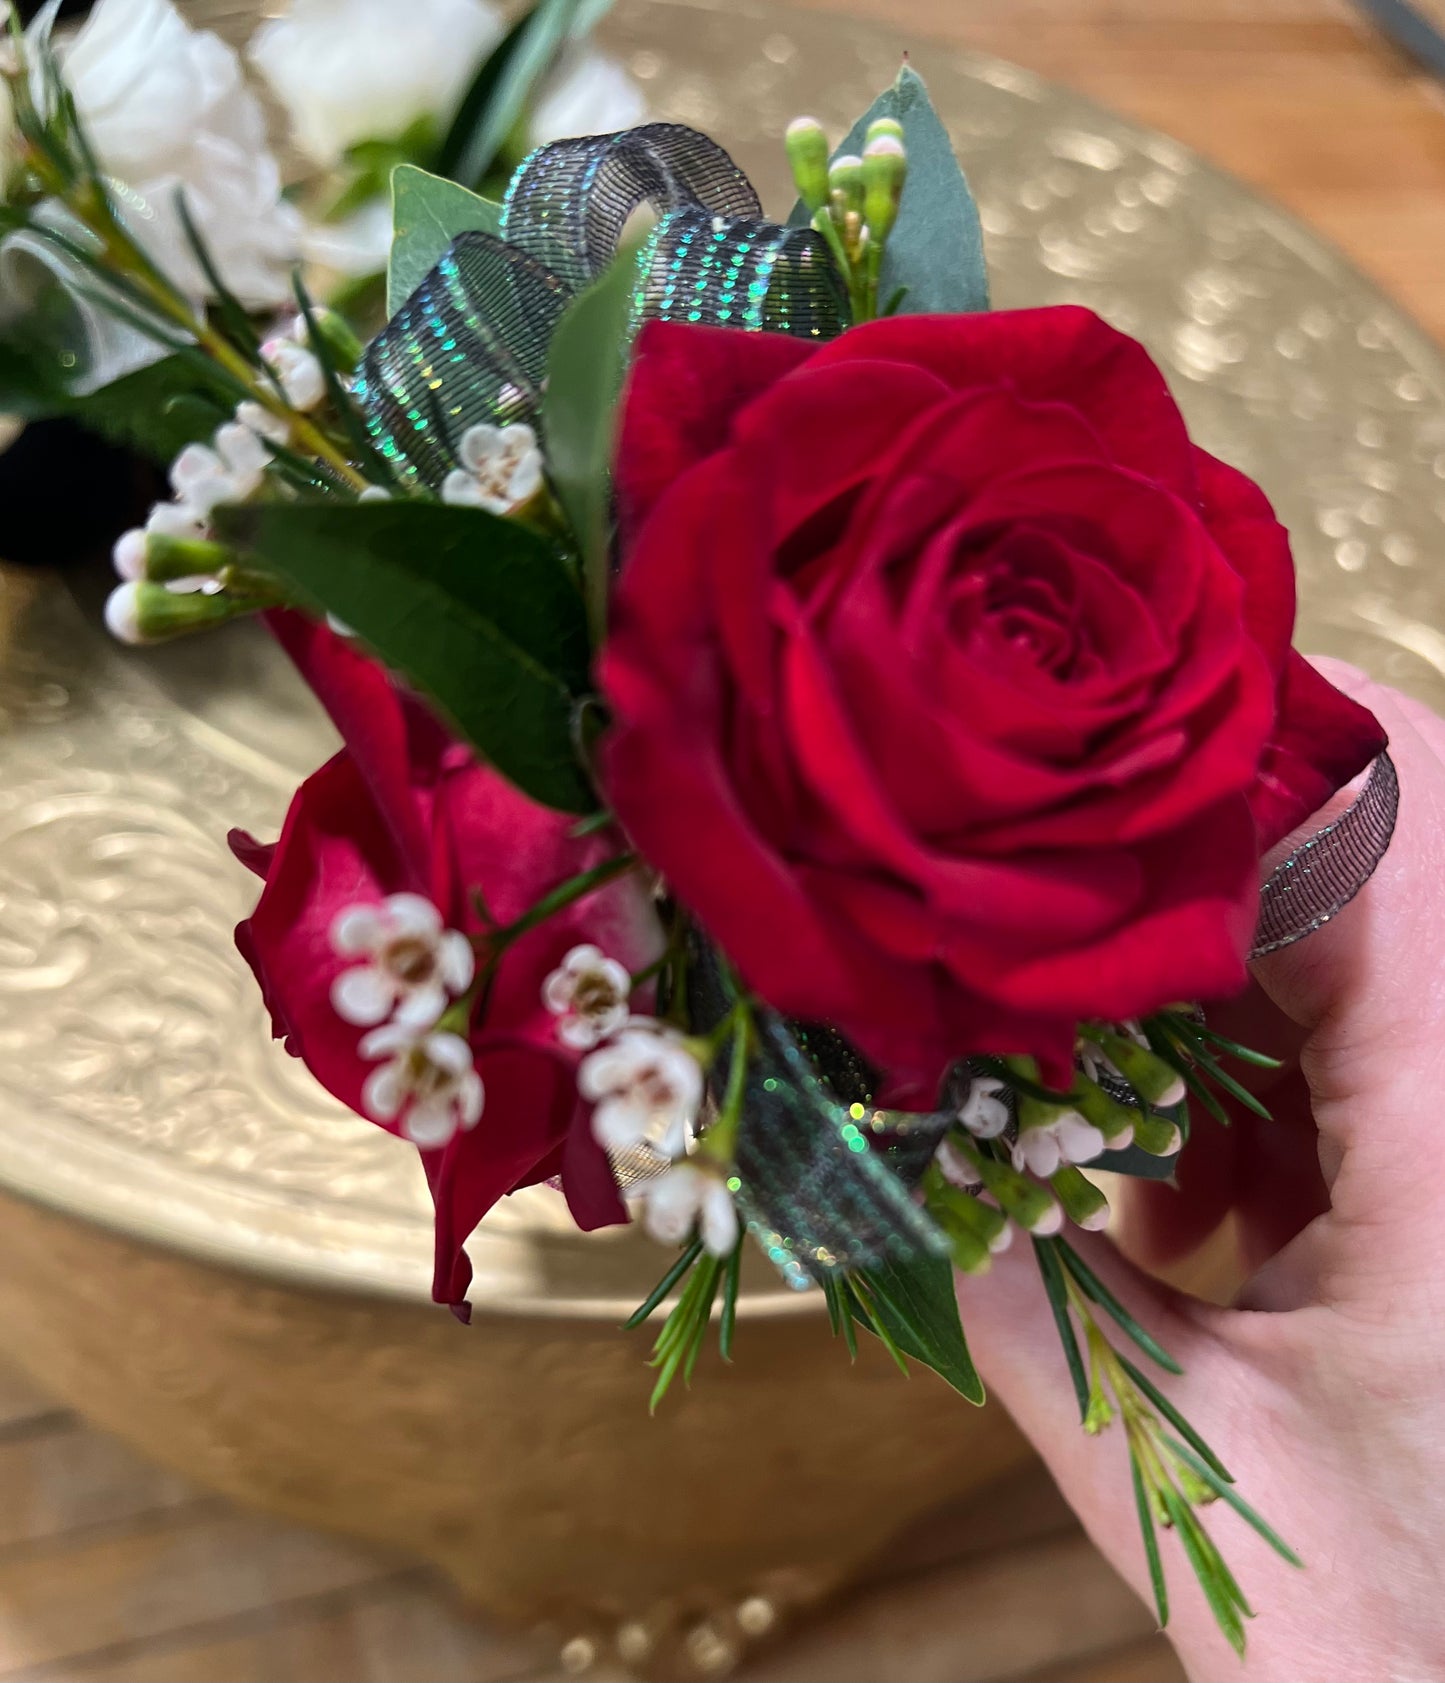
[111, 1571]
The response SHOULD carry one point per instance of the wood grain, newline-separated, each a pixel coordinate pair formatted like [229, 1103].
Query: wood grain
[1301, 98]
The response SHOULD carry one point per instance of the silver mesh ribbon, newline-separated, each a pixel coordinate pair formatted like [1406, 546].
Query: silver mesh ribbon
[1323, 874]
[470, 344]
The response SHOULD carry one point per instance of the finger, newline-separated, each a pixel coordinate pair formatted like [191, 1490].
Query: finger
[1367, 989]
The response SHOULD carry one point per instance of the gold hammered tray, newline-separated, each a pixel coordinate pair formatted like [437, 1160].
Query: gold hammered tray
[140, 1092]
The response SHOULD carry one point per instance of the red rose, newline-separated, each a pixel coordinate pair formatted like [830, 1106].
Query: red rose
[952, 685]
[404, 809]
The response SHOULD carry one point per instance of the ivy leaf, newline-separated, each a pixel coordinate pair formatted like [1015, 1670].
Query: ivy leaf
[480, 613]
[918, 1309]
[586, 368]
[935, 253]
[427, 214]
[500, 93]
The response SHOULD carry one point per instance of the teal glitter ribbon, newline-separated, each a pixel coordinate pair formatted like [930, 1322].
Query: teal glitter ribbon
[470, 344]
[822, 1177]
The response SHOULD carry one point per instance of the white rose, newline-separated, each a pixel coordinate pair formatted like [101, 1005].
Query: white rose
[587, 92]
[353, 70]
[166, 108]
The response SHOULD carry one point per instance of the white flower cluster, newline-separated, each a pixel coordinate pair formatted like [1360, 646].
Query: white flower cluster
[167, 110]
[407, 969]
[351, 71]
[646, 1087]
[227, 470]
[501, 469]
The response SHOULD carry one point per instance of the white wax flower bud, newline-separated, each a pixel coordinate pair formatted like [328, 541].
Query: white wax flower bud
[122, 614]
[690, 1195]
[298, 370]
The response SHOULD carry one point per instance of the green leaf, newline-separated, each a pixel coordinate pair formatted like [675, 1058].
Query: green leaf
[586, 367]
[916, 1305]
[935, 251]
[1205, 1561]
[427, 214]
[1229, 1494]
[1151, 1544]
[1166, 1408]
[1058, 1295]
[1093, 1287]
[502, 89]
[480, 613]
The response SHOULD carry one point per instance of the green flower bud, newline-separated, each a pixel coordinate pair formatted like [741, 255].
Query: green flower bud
[1083, 1202]
[881, 127]
[1114, 1121]
[845, 186]
[168, 558]
[1156, 1082]
[807, 148]
[142, 612]
[1020, 1198]
[1157, 1135]
[885, 168]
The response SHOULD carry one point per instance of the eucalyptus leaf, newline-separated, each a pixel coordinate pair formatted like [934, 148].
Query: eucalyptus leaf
[480, 613]
[935, 252]
[427, 214]
[586, 367]
[916, 1304]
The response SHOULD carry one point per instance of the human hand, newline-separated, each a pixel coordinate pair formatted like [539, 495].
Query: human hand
[1323, 1388]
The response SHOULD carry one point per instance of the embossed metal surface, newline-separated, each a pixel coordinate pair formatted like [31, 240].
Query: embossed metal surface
[138, 1086]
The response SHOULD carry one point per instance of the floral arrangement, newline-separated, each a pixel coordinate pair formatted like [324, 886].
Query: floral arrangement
[810, 740]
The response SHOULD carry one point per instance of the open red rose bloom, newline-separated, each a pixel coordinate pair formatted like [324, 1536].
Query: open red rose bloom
[952, 685]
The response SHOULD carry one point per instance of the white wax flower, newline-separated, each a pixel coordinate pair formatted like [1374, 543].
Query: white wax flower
[429, 1081]
[501, 469]
[588, 994]
[413, 964]
[646, 1086]
[586, 92]
[689, 1196]
[166, 107]
[354, 70]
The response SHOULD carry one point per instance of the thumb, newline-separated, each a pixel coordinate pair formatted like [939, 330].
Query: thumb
[1366, 990]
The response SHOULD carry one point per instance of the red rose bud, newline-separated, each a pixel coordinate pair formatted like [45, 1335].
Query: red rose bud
[807, 148]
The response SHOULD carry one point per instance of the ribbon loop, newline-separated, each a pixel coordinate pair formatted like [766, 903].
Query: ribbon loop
[470, 345]
[1323, 874]
[569, 203]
